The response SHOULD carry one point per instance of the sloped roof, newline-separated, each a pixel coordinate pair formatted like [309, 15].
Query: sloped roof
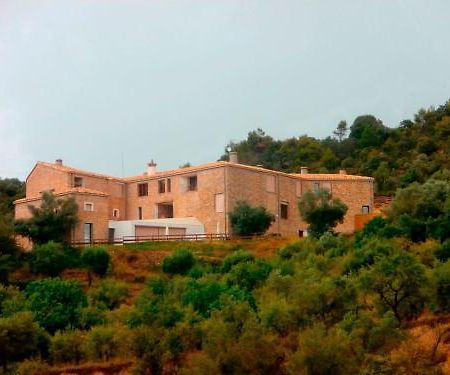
[332, 177]
[77, 190]
[65, 168]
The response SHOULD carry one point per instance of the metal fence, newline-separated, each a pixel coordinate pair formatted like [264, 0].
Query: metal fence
[170, 237]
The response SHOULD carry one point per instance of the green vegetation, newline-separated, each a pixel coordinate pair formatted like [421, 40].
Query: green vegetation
[96, 260]
[377, 302]
[247, 220]
[396, 156]
[321, 211]
[52, 221]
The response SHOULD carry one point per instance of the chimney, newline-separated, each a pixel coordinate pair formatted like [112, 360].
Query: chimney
[151, 168]
[58, 162]
[303, 170]
[233, 157]
[342, 171]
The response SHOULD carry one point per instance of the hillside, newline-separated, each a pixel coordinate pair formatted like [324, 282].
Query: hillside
[395, 156]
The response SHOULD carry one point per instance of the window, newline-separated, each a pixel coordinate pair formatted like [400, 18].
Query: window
[161, 186]
[77, 181]
[169, 185]
[192, 183]
[270, 184]
[88, 206]
[365, 209]
[316, 186]
[298, 188]
[143, 190]
[219, 202]
[284, 209]
[87, 232]
[115, 212]
[139, 213]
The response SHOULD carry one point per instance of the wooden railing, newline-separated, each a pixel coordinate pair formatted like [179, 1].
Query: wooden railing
[170, 237]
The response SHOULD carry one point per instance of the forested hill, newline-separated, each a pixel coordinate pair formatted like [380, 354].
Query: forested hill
[396, 157]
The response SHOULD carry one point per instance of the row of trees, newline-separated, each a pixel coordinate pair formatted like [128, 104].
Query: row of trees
[395, 157]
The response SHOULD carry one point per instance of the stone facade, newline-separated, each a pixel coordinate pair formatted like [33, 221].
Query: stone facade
[207, 193]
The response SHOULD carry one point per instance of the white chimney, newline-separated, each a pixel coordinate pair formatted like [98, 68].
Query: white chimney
[233, 157]
[151, 168]
[303, 170]
[58, 162]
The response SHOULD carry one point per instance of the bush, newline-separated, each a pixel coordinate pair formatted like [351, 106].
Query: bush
[239, 256]
[110, 294]
[67, 347]
[56, 303]
[21, 338]
[48, 259]
[249, 275]
[179, 263]
[443, 252]
[95, 259]
[106, 342]
[247, 220]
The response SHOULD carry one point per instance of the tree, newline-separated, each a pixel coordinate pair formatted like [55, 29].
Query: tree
[111, 293]
[56, 303]
[9, 253]
[48, 259]
[180, 262]
[398, 280]
[341, 130]
[368, 131]
[95, 259]
[52, 221]
[20, 338]
[247, 220]
[321, 211]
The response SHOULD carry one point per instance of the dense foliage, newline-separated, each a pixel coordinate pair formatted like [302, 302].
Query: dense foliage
[247, 220]
[51, 221]
[321, 211]
[395, 156]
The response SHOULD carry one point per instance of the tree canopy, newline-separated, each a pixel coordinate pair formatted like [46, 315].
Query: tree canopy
[51, 221]
[321, 211]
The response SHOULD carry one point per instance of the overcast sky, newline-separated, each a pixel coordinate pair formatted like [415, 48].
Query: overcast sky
[90, 81]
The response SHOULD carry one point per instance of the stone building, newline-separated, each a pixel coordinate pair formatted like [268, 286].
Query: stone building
[193, 200]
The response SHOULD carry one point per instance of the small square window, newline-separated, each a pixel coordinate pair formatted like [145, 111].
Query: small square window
[143, 190]
[365, 209]
[77, 181]
[192, 183]
[88, 206]
[284, 210]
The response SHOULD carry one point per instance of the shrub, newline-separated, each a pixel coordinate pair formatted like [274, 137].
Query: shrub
[321, 211]
[443, 252]
[442, 280]
[48, 259]
[179, 263]
[95, 259]
[106, 342]
[239, 256]
[21, 338]
[67, 347]
[56, 303]
[249, 275]
[110, 293]
[247, 220]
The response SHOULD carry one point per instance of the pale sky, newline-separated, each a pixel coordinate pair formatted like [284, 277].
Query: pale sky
[174, 80]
